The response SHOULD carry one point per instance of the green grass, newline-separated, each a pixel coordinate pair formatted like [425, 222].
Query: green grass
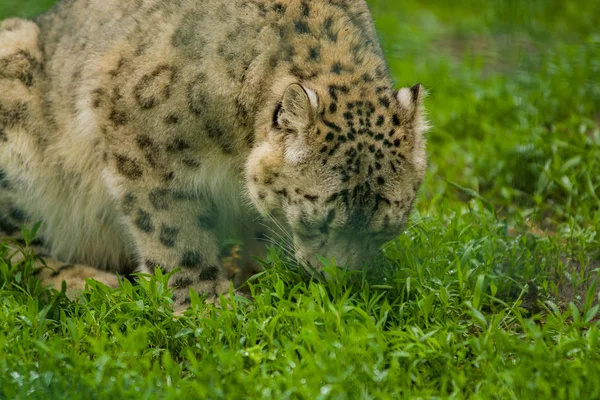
[510, 205]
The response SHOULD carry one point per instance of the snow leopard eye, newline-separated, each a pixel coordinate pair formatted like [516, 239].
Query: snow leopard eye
[276, 114]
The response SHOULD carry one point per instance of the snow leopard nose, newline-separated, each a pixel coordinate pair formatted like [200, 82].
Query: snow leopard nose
[354, 259]
[351, 254]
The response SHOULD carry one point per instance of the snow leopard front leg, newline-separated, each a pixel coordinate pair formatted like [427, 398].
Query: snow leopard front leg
[172, 228]
[157, 147]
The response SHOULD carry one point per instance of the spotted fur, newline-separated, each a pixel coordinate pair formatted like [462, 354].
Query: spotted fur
[140, 132]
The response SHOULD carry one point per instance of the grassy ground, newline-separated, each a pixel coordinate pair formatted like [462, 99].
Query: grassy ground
[491, 293]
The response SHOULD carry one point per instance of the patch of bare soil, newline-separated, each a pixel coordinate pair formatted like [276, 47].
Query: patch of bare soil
[573, 280]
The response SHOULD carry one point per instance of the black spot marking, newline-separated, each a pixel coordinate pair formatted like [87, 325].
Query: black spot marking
[128, 168]
[128, 203]
[118, 118]
[168, 235]
[332, 198]
[218, 133]
[97, 96]
[380, 120]
[191, 259]
[301, 27]
[21, 66]
[330, 216]
[283, 192]
[7, 227]
[330, 34]
[337, 68]
[334, 90]
[154, 88]
[315, 53]
[12, 116]
[150, 150]
[4, 182]
[305, 9]
[119, 69]
[210, 273]
[367, 78]
[381, 72]
[17, 214]
[182, 281]
[189, 36]
[178, 145]
[332, 125]
[144, 221]
[287, 52]
[215, 130]
[169, 177]
[358, 57]
[160, 198]
[207, 221]
[279, 8]
[396, 120]
[172, 119]
[380, 180]
[333, 108]
[384, 101]
[311, 198]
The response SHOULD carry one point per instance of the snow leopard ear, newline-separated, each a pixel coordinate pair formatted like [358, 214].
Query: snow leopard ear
[297, 109]
[411, 100]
